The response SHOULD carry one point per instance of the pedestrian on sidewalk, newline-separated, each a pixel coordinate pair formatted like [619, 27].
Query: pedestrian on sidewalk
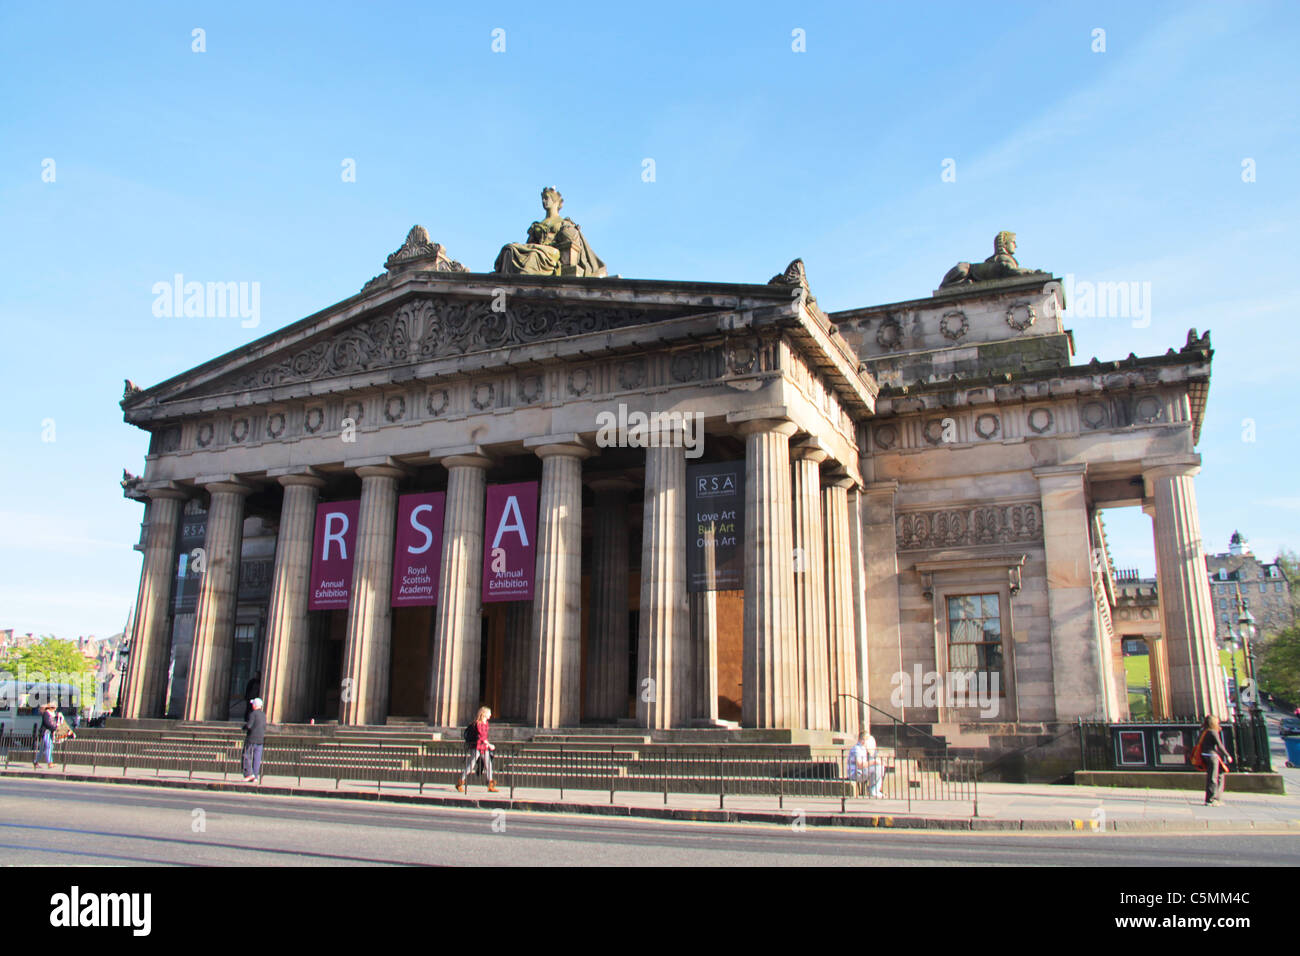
[1215, 760]
[254, 739]
[49, 725]
[864, 769]
[478, 748]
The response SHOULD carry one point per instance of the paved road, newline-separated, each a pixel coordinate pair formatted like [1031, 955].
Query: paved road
[51, 822]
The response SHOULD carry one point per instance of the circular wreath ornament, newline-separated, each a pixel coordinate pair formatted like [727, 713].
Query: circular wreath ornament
[437, 402]
[685, 366]
[484, 395]
[530, 388]
[204, 436]
[1040, 420]
[890, 334]
[239, 430]
[579, 381]
[886, 436]
[314, 420]
[1020, 323]
[275, 425]
[987, 425]
[954, 325]
[395, 408]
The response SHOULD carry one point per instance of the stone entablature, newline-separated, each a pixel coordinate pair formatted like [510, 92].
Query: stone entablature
[1017, 310]
[985, 421]
[974, 524]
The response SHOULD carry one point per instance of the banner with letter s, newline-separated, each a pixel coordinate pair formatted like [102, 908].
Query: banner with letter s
[417, 553]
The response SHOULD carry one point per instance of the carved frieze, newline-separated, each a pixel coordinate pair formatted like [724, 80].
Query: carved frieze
[424, 329]
[968, 526]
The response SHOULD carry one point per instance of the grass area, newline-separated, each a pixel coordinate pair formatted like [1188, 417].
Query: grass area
[1137, 670]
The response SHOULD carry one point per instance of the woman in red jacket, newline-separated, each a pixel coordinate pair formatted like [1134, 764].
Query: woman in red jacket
[481, 749]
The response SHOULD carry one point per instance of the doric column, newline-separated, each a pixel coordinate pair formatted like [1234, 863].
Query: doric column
[768, 656]
[1186, 607]
[366, 649]
[703, 609]
[812, 682]
[150, 648]
[859, 588]
[1078, 667]
[284, 670]
[457, 644]
[515, 671]
[554, 684]
[607, 636]
[840, 626]
[663, 650]
[880, 544]
[208, 691]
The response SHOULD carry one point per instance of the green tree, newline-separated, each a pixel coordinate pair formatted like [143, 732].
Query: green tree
[1279, 664]
[52, 660]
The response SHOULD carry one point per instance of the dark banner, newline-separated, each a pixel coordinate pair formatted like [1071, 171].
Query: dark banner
[332, 555]
[510, 542]
[417, 553]
[715, 526]
[189, 558]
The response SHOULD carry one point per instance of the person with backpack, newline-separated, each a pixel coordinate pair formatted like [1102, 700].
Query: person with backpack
[46, 730]
[1211, 756]
[478, 748]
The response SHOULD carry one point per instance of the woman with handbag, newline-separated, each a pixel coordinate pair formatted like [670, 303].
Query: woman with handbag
[478, 747]
[1214, 758]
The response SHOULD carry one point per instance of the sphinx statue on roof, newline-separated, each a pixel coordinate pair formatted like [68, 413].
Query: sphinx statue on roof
[555, 246]
[1001, 265]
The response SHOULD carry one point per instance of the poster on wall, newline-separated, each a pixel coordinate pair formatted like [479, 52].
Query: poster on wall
[715, 526]
[1171, 747]
[417, 553]
[510, 542]
[1132, 745]
[332, 554]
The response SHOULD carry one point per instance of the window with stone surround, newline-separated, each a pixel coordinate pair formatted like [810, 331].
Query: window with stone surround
[975, 637]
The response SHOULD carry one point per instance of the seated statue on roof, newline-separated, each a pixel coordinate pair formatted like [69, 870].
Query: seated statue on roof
[555, 246]
[1001, 265]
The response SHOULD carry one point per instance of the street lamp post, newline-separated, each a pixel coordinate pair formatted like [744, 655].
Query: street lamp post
[1246, 627]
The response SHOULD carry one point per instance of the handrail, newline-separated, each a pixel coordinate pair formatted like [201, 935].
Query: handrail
[898, 722]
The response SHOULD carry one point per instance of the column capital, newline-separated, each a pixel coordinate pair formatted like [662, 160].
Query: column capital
[166, 489]
[231, 484]
[569, 444]
[772, 418]
[298, 476]
[1171, 466]
[463, 456]
[381, 466]
[810, 450]
[879, 489]
[1060, 471]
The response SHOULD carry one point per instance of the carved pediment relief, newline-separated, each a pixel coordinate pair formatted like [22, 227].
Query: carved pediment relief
[425, 329]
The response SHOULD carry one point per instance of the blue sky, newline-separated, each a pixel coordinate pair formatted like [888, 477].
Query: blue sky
[226, 165]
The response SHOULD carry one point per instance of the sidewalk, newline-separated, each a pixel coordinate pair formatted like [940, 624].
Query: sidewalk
[1001, 806]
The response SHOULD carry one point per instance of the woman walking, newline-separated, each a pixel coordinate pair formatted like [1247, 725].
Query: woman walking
[1215, 758]
[476, 742]
[45, 737]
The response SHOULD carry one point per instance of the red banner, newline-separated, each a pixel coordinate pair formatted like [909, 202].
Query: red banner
[510, 542]
[332, 555]
[417, 556]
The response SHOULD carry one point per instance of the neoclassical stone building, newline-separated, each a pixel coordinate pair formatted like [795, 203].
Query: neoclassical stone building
[796, 514]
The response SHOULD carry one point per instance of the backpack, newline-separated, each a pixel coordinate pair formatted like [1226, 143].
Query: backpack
[471, 735]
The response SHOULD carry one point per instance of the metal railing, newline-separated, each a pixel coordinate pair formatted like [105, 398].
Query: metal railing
[783, 772]
[1099, 748]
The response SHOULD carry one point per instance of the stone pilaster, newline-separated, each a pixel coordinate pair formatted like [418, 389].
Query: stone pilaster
[607, 633]
[663, 651]
[518, 659]
[285, 667]
[1186, 607]
[880, 544]
[367, 648]
[841, 629]
[812, 682]
[457, 645]
[554, 683]
[146, 678]
[1078, 667]
[208, 691]
[859, 587]
[769, 576]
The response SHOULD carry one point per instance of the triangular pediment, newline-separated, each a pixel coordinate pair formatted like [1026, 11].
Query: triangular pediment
[426, 322]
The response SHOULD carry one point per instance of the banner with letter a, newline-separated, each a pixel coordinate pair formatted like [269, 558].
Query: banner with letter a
[417, 555]
[510, 542]
[333, 551]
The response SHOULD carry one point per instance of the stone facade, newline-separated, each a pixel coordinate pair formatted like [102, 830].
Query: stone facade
[922, 482]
